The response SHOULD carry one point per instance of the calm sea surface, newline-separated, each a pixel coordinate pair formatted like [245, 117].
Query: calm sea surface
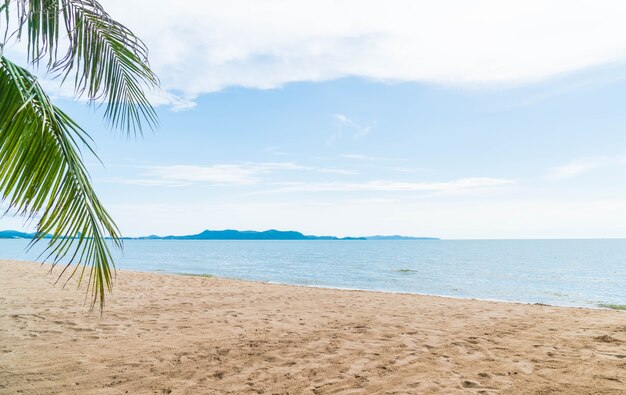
[561, 272]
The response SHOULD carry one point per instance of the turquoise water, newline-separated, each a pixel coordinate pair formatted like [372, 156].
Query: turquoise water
[560, 272]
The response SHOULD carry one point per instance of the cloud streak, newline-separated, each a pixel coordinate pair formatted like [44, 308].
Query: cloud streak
[395, 186]
[218, 174]
[266, 177]
[361, 157]
[358, 130]
[580, 167]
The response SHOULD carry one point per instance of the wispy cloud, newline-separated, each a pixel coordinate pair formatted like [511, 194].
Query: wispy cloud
[358, 130]
[234, 174]
[144, 182]
[394, 186]
[346, 127]
[275, 151]
[330, 170]
[369, 157]
[219, 174]
[582, 166]
[406, 169]
[573, 169]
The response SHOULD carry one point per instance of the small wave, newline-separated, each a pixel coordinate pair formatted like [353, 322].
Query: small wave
[206, 275]
[621, 307]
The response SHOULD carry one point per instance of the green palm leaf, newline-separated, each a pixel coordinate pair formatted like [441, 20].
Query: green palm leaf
[41, 170]
[109, 63]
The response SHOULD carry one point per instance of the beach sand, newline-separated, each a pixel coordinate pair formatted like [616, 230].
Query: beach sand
[176, 334]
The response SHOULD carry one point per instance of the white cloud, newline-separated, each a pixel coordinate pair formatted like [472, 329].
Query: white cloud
[174, 102]
[157, 97]
[392, 186]
[205, 46]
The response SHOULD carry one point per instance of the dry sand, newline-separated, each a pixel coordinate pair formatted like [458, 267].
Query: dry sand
[193, 335]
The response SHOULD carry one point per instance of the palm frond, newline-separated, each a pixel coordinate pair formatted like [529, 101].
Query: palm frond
[41, 173]
[106, 61]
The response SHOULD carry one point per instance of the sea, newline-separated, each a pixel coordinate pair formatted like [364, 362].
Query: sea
[582, 273]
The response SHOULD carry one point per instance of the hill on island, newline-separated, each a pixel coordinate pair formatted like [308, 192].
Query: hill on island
[14, 234]
[230, 234]
[272, 234]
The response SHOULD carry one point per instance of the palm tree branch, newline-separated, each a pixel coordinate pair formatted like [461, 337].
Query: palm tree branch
[41, 172]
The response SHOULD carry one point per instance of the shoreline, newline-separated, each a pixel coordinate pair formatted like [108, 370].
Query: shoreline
[184, 334]
[209, 275]
[460, 298]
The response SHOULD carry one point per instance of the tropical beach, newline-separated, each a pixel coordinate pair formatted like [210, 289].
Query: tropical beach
[192, 334]
[297, 197]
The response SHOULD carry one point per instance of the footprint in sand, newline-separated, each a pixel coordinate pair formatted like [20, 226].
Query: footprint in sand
[469, 384]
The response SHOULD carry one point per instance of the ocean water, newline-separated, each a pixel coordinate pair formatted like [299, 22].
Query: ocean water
[584, 273]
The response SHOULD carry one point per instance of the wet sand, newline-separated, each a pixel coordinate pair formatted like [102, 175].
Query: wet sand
[173, 334]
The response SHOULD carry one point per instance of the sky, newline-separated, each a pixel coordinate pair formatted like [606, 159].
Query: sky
[451, 119]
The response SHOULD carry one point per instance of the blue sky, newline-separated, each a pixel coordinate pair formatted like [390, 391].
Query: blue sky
[537, 151]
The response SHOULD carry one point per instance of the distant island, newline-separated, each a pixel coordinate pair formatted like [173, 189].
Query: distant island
[230, 234]
[14, 234]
